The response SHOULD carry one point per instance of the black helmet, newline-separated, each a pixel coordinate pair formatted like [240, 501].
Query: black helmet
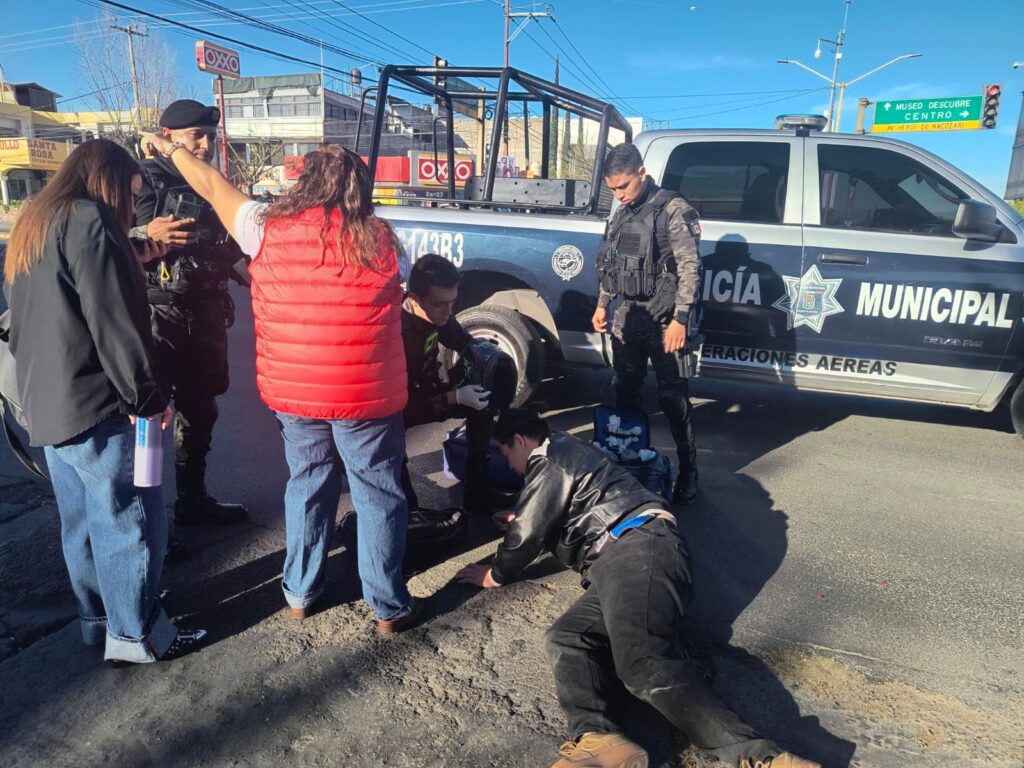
[483, 364]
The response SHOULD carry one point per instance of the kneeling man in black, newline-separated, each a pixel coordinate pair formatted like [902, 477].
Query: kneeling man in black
[596, 518]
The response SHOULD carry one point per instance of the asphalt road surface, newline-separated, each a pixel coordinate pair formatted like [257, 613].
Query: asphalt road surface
[859, 591]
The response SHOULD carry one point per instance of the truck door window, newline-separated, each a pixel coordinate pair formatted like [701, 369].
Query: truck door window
[731, 180]
[877, 189]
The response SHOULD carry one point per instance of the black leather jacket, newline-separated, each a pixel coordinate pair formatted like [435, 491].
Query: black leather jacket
[572, 495]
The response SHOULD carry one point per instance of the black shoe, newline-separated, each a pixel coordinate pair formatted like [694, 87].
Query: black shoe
[176, 552]
[186, 642]
[687, 489]
[208, 511]
[429, 528]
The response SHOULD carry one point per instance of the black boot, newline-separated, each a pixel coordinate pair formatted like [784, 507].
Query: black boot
[176, 551]
[687, 489]
[195, 506]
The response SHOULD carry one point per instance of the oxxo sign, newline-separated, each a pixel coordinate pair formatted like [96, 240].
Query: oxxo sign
[429, 171]
[217, 60]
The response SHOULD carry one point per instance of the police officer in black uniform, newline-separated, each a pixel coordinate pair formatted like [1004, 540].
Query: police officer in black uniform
[650, 261]
[190, 306]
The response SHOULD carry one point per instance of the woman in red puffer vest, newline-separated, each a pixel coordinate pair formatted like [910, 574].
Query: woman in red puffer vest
[326, 297]
[328, 334]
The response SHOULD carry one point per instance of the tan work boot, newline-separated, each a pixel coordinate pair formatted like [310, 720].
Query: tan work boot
[784, 760]
[601, 750]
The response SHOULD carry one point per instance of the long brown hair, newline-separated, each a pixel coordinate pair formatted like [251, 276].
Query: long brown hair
[335, 177]
[98, 170]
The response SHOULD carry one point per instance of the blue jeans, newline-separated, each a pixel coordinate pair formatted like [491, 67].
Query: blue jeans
[319, 453]
[114, 537]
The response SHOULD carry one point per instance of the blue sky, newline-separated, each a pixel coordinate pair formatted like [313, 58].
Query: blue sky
[661, 57]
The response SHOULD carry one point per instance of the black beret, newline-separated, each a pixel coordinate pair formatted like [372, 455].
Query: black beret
[187, 113]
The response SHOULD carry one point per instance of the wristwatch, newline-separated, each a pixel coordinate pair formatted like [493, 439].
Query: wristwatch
[138, 233]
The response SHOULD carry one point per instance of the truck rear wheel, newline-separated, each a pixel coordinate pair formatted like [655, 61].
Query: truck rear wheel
[515, 336]
[1017, 408]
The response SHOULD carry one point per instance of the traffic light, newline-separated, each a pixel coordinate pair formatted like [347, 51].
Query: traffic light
[990, 105]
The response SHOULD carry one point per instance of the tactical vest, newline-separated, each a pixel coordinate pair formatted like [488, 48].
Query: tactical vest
[204, 266]
[630, 261]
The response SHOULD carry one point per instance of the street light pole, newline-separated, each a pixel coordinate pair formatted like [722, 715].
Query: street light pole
[842, 87]
[833, 123]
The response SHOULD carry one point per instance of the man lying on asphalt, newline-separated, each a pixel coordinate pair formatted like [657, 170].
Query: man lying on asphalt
[597, 519]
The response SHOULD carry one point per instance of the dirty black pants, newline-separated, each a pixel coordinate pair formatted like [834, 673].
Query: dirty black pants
[628, 628]
[190, 339]
[479, 428]
[630, 365]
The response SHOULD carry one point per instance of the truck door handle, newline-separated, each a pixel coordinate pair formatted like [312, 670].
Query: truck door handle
[851, 259]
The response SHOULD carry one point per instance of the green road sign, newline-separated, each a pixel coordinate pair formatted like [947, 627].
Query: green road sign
[957, 113]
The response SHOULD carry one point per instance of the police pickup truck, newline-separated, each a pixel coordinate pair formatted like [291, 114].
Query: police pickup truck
[832, 262]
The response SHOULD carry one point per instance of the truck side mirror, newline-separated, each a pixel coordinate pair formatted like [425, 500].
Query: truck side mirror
[976, 220]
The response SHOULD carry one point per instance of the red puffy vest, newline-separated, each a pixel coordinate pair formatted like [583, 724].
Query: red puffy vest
[328, 335]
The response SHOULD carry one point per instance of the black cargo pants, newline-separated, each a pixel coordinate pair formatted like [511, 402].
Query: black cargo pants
[190, 336]
[479, 428]
[628, 628]
[630, 365]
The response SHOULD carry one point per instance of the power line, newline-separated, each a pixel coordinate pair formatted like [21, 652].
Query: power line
[587, 83]
[275, 28]
[348, 29]
[721, 102]
[748, 106]
[391, 31]
[716, 93]
[386, 7]
[93, 93]
[225, 38]
[583, 58]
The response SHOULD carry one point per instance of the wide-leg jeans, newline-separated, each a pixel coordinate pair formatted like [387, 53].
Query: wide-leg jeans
[319, 453]
[114, 537]
[628, 626]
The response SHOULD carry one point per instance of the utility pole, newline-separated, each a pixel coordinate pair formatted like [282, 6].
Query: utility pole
[554, 132]
[838, 43]
[509, 38]
[130, 31]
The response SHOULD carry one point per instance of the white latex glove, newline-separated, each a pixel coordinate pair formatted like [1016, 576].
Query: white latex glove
[472, 396]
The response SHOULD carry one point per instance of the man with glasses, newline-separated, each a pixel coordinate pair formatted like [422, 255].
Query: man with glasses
[190, 307]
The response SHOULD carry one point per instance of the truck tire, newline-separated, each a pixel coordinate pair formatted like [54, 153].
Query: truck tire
[1017, 408]
[515, 336]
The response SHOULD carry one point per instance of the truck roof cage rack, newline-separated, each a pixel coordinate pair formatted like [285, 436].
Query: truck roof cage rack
[447, 86]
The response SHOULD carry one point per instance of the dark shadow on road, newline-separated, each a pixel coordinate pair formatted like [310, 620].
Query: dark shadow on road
[738, 539]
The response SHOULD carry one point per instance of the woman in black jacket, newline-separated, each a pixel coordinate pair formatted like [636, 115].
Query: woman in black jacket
[80, 337]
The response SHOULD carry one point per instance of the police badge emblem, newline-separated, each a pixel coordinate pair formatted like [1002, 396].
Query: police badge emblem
[567, 261]
[809, 300]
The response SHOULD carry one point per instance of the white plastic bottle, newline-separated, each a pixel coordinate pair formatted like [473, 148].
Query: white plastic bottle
[149, 452]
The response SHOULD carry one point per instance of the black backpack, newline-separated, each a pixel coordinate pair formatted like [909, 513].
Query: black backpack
[9, 400]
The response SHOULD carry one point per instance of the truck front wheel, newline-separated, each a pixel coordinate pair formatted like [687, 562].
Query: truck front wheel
[1017, 408]
[516, 337]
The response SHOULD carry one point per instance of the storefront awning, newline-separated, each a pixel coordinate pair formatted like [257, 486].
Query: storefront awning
[31, 155]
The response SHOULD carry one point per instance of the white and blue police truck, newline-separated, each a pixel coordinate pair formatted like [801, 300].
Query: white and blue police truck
[832, 262]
